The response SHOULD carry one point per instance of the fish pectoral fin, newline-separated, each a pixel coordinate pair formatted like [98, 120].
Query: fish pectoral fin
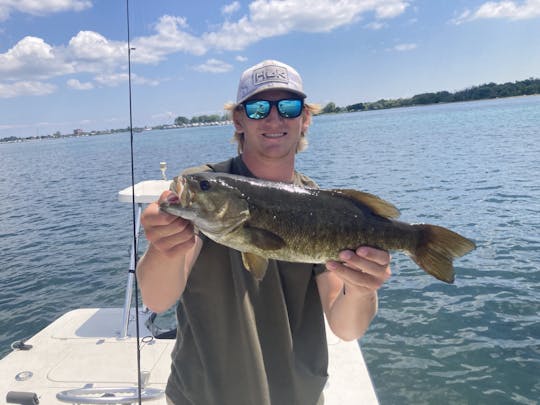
[376, 204]
[255, 264]
[263, 239]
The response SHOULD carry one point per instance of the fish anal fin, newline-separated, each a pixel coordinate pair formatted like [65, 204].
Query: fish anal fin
[256, 264]
[263, 239]
[374, 203]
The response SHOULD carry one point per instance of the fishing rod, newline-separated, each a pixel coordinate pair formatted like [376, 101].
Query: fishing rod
[133, 209]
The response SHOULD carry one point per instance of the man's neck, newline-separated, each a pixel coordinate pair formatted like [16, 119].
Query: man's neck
[269, 169]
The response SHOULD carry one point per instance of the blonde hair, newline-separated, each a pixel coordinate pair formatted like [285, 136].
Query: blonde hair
[238, 137]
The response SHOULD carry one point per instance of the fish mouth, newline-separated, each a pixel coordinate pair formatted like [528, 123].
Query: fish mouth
[184, 194]
[180, 203]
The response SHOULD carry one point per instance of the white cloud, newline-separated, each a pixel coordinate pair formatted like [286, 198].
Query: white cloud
[230, 8]
[511, 10]
[214, 66]
[170, 38]
[88, 48]
[270, 18]
[33, 60]
[241, 58]
[77, 85]
[375, 25]
[405, 47]
[112, 79]
[115, 79]
[25, 88]
[41, 7]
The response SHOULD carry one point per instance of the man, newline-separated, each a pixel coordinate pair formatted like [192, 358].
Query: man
[240, 340]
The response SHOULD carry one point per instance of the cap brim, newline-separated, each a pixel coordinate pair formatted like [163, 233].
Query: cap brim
[271, 87]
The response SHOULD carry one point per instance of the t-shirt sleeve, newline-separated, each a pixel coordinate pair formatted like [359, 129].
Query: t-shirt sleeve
[318, 269]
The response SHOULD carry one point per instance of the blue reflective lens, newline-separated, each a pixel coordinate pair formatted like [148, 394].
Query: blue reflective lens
[287, 108]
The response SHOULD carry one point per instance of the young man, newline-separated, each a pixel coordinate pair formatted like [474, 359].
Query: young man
[240, 340]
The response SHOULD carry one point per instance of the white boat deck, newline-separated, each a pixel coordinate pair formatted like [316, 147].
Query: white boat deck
[83, 349]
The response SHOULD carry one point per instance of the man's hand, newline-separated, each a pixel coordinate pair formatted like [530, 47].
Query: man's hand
[168, 234]
[364, 270]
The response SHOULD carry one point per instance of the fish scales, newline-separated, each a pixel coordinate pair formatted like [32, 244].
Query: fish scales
[314, 223]
[268, 220]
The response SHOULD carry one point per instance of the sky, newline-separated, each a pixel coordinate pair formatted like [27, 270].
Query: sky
[64, 65]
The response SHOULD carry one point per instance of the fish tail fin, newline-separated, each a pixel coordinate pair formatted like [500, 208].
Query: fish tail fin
[437, 248]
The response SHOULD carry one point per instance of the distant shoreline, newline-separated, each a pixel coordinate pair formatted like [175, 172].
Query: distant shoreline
[490, 91]
[528, 87]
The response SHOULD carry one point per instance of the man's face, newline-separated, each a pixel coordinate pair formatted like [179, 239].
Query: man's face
[273, 137]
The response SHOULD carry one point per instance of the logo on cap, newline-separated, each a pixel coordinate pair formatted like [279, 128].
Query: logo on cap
[270, 73]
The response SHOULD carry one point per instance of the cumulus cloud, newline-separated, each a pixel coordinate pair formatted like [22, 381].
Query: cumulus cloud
[25, 88]
[77, 85]
[89, 46]
[32, 60]
[170, 37]
[41, 7]
[511, 10]
[214, 66]
[270, 18]
[230, 8]
[115, 79]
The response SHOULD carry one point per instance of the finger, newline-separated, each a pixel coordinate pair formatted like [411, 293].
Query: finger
[167, 195]
[359, 263]
[179, 227]
[154, 216]
[379, 256]
[354, 277]
[175, 243]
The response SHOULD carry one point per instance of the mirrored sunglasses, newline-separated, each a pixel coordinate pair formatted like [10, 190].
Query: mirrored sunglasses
[287, 108]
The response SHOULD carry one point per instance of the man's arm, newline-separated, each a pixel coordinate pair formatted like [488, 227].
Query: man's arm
[348, 290]
[163, 271]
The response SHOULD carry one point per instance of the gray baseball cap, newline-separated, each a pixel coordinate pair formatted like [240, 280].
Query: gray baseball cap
[269, 74]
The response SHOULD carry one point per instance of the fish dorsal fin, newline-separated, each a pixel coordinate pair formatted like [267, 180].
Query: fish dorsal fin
[255, 264]
[376, 204]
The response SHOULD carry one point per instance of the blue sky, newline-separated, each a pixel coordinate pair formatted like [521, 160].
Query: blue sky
[63, 63]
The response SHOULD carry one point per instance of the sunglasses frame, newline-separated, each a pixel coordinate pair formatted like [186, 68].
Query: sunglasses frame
[274, 103]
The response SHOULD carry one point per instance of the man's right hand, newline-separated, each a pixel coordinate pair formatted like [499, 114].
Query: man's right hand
[170, 235]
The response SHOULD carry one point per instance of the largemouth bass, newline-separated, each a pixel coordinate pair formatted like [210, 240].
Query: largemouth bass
[269, 220]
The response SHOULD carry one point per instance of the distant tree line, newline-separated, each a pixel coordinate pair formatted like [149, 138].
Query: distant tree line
[485, 91]
[200, 119]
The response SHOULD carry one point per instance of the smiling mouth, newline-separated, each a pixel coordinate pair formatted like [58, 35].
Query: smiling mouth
[276, 135]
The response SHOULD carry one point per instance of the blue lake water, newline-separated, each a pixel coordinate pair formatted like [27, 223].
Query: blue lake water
[473, 167]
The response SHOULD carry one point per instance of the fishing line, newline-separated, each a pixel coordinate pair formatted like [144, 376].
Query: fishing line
[133, 209]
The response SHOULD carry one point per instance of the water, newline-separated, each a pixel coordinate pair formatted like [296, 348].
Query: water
[472, 167]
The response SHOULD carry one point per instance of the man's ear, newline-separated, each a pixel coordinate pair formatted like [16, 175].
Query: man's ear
[237, 121]
[306, 120]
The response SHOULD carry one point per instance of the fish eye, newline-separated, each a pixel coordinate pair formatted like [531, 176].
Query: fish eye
[204, 185]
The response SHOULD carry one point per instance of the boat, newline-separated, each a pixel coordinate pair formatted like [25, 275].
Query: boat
[89, 355]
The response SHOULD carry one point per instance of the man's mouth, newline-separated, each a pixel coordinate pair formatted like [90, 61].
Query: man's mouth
[276, 135]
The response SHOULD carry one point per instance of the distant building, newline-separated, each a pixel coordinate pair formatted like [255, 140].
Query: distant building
[78, 131]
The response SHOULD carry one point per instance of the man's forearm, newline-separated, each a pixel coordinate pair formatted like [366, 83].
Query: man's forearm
[161, 279]
[352, 312]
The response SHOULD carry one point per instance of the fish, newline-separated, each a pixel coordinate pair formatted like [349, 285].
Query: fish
[272, 220]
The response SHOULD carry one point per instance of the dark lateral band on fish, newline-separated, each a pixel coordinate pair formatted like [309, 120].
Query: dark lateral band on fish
[270, 220]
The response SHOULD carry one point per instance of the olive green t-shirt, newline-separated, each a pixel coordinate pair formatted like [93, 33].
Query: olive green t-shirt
[246, 342]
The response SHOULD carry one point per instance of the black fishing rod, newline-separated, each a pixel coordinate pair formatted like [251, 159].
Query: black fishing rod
[133, 209]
